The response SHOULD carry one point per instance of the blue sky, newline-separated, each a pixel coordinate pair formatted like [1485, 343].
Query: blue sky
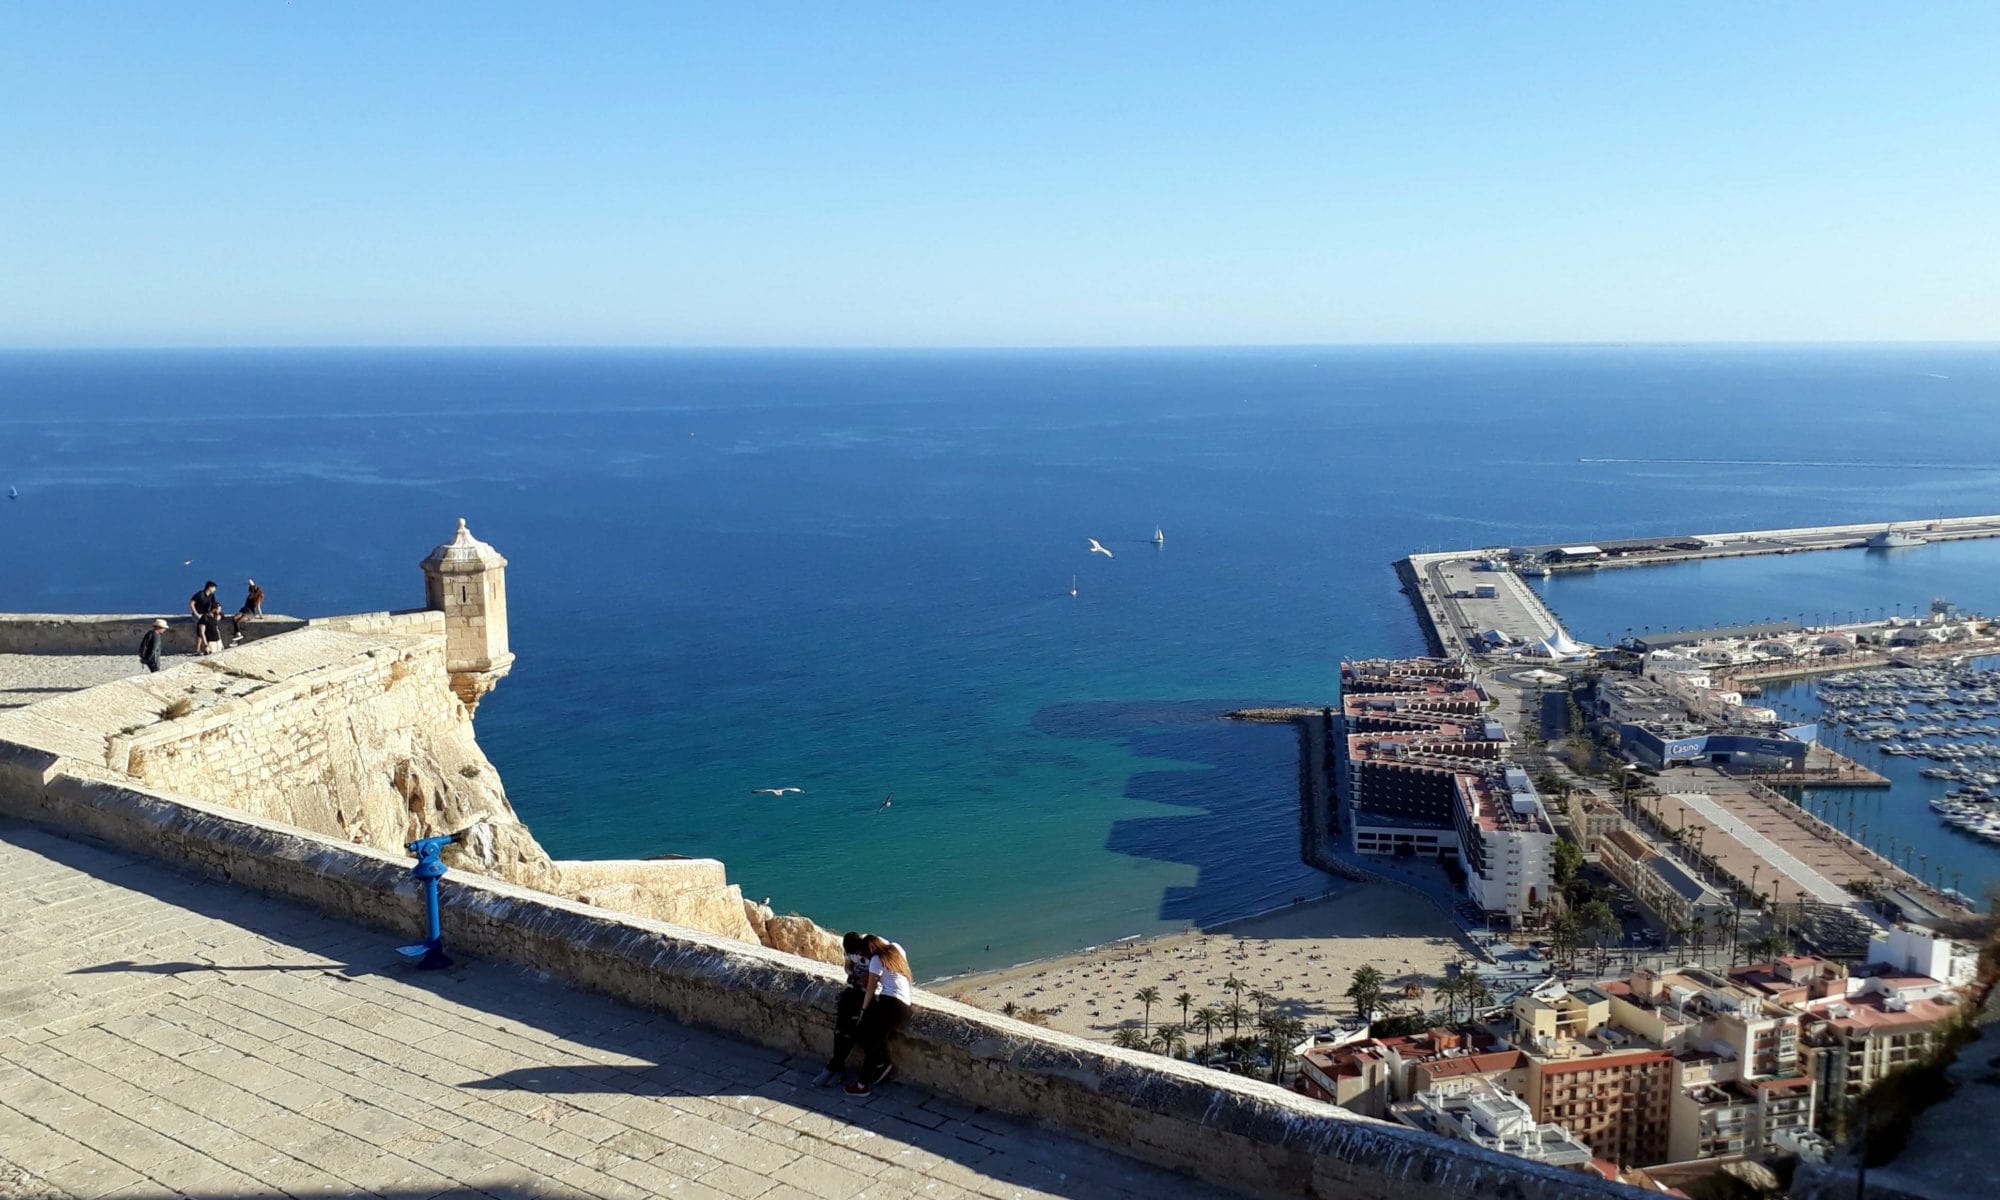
[1013, 174]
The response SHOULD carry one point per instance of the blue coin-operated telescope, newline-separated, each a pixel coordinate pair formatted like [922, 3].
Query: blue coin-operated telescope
[430, 868]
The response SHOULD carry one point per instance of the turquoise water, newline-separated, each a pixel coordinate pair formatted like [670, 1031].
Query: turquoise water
[849, 572]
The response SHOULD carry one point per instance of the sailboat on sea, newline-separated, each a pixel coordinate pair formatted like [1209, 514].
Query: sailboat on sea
[1072, 585]
[1159, 536]
[13, 493]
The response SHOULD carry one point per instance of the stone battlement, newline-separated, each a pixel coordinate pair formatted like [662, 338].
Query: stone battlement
[1250, 1136]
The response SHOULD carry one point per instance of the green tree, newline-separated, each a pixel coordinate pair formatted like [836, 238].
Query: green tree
[1767, 946]
[1365, 991]
[1208, 1020]
[1169, 1040]
[1237, 1014]
[1009, 1009]
[1568, 858]
[1599, 922]
[1185, 1000]
[1565, 934]
[1449, 991]
[1129, 1038]
[1477, 995]
[1148, 996]
[1281, 1033]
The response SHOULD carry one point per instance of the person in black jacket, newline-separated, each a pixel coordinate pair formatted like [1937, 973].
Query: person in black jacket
[149, 646]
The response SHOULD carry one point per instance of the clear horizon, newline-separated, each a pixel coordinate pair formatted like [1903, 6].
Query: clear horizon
[1120, 177]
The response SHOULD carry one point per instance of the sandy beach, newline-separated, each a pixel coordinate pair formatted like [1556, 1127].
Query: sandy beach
[1305, 955]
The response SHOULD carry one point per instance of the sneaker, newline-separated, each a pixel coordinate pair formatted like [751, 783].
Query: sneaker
[882, 1076]
[857, 1088]
[826, 1076]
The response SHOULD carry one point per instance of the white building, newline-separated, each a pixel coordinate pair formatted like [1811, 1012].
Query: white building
[1474, 1110]
[1921, 952]
[1506, 843]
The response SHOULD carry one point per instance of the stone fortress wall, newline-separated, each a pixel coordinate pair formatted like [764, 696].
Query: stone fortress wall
[304, 761]
[359, 728]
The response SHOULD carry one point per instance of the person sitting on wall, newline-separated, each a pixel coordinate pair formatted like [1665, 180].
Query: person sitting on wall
[885, 1006]
[253, 606]
[847, 1010]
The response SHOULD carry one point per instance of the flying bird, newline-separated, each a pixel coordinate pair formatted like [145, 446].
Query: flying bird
[774, 791]
[1097, 547]
[885, 802]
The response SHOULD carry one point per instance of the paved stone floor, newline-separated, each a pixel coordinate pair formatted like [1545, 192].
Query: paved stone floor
[27, 678]
[162, 1034]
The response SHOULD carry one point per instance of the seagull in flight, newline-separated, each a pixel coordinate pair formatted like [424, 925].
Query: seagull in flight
[779, 792]
[1097, 547]
[885, 802]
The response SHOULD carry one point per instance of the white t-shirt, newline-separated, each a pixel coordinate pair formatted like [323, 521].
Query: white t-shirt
[894, 985]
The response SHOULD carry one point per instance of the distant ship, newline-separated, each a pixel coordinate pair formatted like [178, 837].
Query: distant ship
[1159, 536]
[1072, 585]
[1894, 539]
[13, 493]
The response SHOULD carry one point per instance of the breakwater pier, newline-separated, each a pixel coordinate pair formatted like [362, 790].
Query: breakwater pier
[1461, 595]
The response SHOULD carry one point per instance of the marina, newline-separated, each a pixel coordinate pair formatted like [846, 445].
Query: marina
[1782, 719]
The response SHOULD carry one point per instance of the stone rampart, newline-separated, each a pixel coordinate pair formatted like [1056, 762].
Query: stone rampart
[352, 727]
[1245, 1135]
[114, 633]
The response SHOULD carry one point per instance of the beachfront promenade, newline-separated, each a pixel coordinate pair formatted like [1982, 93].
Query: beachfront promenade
[163, 1034]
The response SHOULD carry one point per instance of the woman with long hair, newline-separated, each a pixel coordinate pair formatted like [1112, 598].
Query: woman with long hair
[885, 1005]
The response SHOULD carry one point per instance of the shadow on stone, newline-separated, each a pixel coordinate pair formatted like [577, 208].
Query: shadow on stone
[658, 1057]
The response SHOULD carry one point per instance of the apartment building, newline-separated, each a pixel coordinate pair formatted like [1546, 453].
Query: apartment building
[1483, 1114]
[1420, 771]
[1874, 1025]
[1618, 1101]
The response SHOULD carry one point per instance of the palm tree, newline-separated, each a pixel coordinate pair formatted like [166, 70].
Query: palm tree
[1236, 1013]
[1767, 946]
[1262, 1000]
[1281, 1033]
[1208, 1020]
[1129, 1038]
[1234, 987]
[1449, 992]
[1168, 1039]
[1184, 1000]
[1009, 1009]
[1366, 991]
[1148, 996]
[1477, 995]
[1564, 934]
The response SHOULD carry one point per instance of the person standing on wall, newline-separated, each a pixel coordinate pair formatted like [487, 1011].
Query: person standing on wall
[210, 635]
[885, 1006]
[847, 1010]
[149, 646]
[198, 608]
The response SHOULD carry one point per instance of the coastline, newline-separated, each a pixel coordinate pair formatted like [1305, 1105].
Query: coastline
[1304, 955]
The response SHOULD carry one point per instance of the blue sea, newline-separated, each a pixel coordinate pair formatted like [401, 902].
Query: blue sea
[850, 572]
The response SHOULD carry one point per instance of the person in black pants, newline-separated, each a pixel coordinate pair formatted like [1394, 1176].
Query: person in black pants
[885, 1006]
[847, 1010]
[211, 627]
[149, 646]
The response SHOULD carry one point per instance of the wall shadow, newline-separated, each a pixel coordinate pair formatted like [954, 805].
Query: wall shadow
[1236, 796]
[660, 1058]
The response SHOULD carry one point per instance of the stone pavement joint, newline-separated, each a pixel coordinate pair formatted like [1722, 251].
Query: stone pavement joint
[164, 1035]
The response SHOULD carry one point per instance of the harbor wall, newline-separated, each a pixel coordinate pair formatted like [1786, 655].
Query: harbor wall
[1241, 1134]
[1413, 591]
